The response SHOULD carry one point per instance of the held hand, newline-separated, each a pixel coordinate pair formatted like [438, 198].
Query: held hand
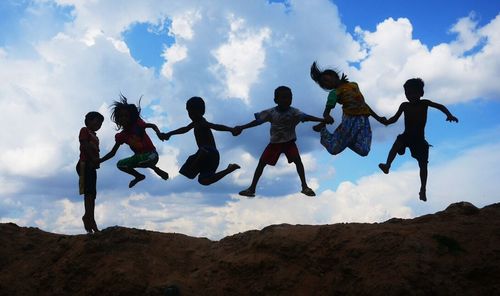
[164, 136]
[328, 119]
[452, 118]
[383, 120]
[236, 131]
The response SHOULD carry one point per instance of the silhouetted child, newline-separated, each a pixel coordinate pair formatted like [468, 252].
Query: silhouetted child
[87, 167]
[205, 161]
[133, 133]
[354, 131]
[415, 116]
[283, 119]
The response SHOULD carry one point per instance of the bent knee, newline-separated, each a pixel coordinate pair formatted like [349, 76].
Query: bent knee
[204, 181]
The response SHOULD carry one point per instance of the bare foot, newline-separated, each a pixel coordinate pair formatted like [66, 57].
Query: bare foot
[161, 173]
[247, 192]
[308, 191]
[136, 180]
[422, 195]
[87, 224]
[233, 167]
[384, 167]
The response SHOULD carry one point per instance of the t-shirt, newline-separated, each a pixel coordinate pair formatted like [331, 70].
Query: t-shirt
[136, 137]
[283, 123]
[88, 135]
[351, 99]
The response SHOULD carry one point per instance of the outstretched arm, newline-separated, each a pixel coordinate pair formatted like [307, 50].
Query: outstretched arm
[110, 153]
[382, 120]
[395, 117]
[316, 119]
[153, 127]
[442, 108]
[240, 128]
[182, 130]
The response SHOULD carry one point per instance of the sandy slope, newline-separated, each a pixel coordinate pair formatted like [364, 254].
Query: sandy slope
[453, 252]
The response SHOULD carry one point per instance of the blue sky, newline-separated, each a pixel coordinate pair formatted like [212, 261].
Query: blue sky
[60, 59]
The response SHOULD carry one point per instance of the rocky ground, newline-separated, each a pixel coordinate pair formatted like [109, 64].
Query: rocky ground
[453, 252]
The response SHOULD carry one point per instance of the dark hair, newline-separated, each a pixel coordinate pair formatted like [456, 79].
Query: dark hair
[416, 84]
[93, 115]
[123, 104]
[317, 73]
[282, 91]
[196, 103]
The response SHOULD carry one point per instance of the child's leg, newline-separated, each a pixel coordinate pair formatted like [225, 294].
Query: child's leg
[423, 180]
[160, 172]
[217, 176]
[88, 218]
[334, 142]
[128, 166]
[137, 176]
[361, 134]
[397, 146]
[250, 191]
[300, 170]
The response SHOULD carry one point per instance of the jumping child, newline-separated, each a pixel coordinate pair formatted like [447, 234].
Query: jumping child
[283, 119]
[415, 119]
[87, 167]
[354, 131]
[205, 161]
[133, 133]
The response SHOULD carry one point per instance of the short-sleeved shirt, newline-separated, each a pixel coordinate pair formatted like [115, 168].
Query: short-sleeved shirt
[283, 123]
[136, 137]
[351, 99]
[88, 135]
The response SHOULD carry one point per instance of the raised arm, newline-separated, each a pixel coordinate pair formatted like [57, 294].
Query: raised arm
[110, 153]
[442, 108]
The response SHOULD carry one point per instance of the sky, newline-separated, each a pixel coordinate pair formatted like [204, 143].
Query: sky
[60, 59]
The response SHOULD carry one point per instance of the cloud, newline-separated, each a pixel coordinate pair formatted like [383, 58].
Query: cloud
[394, 56]
[223, 49]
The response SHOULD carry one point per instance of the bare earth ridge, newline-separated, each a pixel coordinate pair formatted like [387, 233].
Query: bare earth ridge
[452, 252]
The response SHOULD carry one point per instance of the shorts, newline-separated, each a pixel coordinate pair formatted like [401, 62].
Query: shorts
[419, 148]
[142, 160]
[273, 151]
[203, 163]
[354, 132]
[87, 178]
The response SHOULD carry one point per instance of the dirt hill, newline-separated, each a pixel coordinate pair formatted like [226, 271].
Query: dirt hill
[453, 252]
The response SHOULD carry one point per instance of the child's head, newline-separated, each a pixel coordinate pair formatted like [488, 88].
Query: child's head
[93, 120]
[195, 107]
[124, 114]
[283, 97]
[327, 79]
[414, 89]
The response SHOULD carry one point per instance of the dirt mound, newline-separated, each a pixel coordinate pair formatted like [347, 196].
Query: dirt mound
[452, 252]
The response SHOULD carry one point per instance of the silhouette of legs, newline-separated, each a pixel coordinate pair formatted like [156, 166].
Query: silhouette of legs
[300, 170]
[88, 218]
[423, 180]
[160, 172]
[397, 148]
[131, 171]
[353, 132]
[217, 176]
[250, 191]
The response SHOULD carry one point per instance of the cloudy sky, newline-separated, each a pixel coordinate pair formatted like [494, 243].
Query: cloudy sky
[60, 59]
